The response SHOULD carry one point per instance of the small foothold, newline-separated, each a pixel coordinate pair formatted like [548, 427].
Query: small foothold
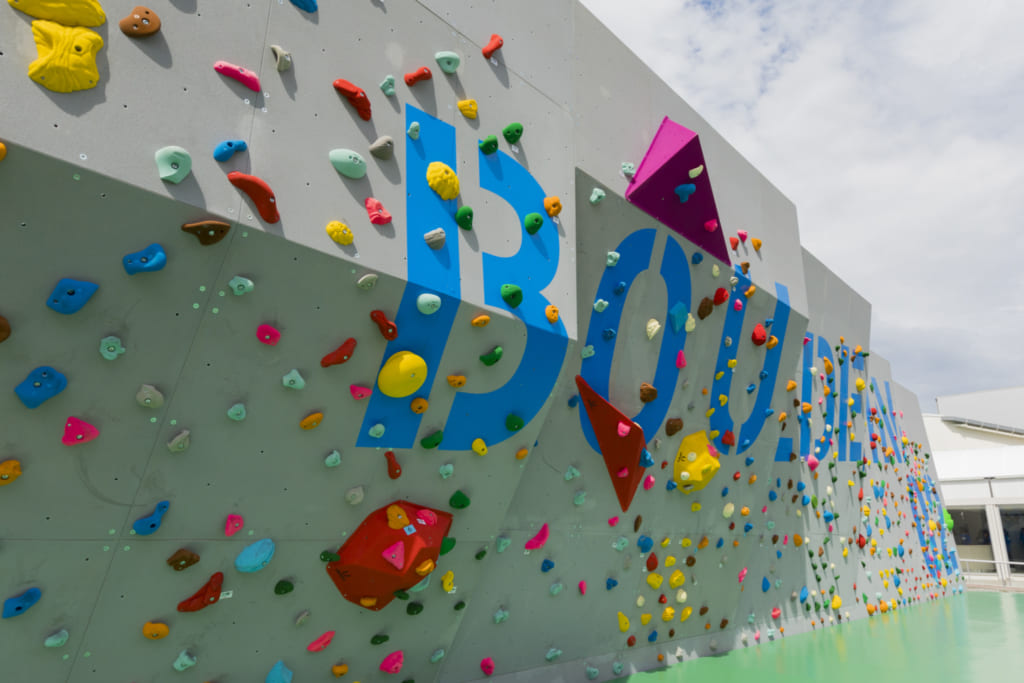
[489, 145]
[512, 133]
[340, 233]
[145, 526]
[259, 192]
[255, 556]
[459, 500]
[551, 313]
[348, 163]
[207, 232]
[383, 147]
[596, 195]
[282, 58]
[546, 566]
[419, 405]
[366, 282]
[553, 206]
[435, 238]
[354, 495]
[293, 380]
[241, 285]
[173, 163]
[283, 587]
[69, 296]
[600, 305]
[268, 334]
[492, 46]
[182, 559]
[149, 396]
[237, 412]
[78, 431]
[387, 86]
[185, 661]
[446, 470]
[19, 604]
[553, 654]
[464, 217]
[58, 639]
[238, 73]
[652, 328]
[419, 75]
[628, 169]
[512, 295]
[233, 524]
[414, 130]
[394, 469]
[467, 108]
[376, 431]
[205, 596]
[533, 222]
[592, 672]
[226, 149]
[148, 260]
[500, 615]
[40, 385]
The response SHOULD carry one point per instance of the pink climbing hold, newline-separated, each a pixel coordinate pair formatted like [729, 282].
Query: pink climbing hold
[742, 234]
[776, 613]
[624, 429]
[583, 587]
[737, 305]
[376, 212]
[807, 340]
[680, 360]
[711, 225]
[78, 431]
[247, 78]
[785, 539]
[757, 636]
[743, 574]
[487, 666]
[648, 482]
[426, 517]
[623, 473]
[268, 334]
[392, 664]
[395, 555]
[812, 462]
[321, 642]
[358, 392]
[612, 521]
[233, 524]
[538, 540]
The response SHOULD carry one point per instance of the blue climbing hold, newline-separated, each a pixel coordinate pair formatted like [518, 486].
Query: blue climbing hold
[620, 288]
[697, 258]
[828, 516]
[800, 486]
[805, 500]
[748, 526]
[19, 604]
[763, 374]
[768, 322]
[749, 460]
[41, 385]
[256, 556]
[653, 637]
[677, 316]
[646, 459]
[899, 550]
[684, 191]
[70, 295]
[645, 543]
[670, 486]
[279, 673]
[225, 150]
[765, 584]
[769, 412]
[610, 584]
[148, 260]
[608, 333]
[725, 491]
[803, 594]
[546, 566]
[574, 400]
[744, 445]
[750, 388]
[305, 6]
[144, 526]
[772, 495]
[778, 554]
[720, 543]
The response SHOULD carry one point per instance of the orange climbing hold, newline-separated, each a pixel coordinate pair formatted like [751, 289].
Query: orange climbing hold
[154, 630]
[480, 320]
[522, 453]
[311, 421]
[456, 381]
[551, 313]
[9, 471]
[553, 205]
[790, 385]
[339, 670]
[492, 46]
[419, 405]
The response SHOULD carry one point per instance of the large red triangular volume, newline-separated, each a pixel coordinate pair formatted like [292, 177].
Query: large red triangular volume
[621, 452]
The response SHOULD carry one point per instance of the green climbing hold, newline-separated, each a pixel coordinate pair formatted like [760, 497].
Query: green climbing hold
[533, 222]
[514, 423]
[492, 356]
[489, 145]
[432, 440]
[460, 605]
[447, 543]
[379, 639]
[283, 587]
[481, 554]
[512, 132]
[401, 594]
[464, 217]
[556, 588]
[328, 556]
[348, 163]
[414, 608]
[502, 543]
[459, 500]
[448, 61]
[512, 294]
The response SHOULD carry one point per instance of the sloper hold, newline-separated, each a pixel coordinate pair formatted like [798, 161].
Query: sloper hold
[69, 295]
[74, 13]
[41, 385]
[279, 673]
[173, 163]
[66, 59]
[348, 163]
[148, 260]
[78, 431]
[256, 556]
[259, 192]
[448, 61]
[205, 596]
[207, 232]
[673, 152]
[619, 452]
[19, 604]
[182, 559]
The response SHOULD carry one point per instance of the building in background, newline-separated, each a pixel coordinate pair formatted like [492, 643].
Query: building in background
[977, 440]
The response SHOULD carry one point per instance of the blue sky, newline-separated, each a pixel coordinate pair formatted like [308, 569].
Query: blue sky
[895, 128]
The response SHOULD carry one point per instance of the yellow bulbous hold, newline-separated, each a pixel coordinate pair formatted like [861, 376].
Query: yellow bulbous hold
[340, 233]
[67, 57]
[695, 463]
[468, 108]
[685, 613]
[66, 12]
[837, 602]
[623, 622]
[442, 180]
[668, 614]
[403, 374]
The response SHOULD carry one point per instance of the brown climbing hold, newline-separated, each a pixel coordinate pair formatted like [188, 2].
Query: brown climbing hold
[691, 560]
[311, 421]
[647, 393]
[207, 232]
[394, 469]
[637, 522]
[673, 425]
[182, 558]
[140, 22]
[705, 308]
[205, 596]
[5, 328]
[724, 623]
[745, 267]
[703, 610]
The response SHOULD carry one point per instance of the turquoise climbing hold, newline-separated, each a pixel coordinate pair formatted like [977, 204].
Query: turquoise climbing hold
[332, 459]
[280, 673]
[293, 380]
[502, 543]
[348, 163]
[241, 285]
[684, 191]
[145, 526]
[173, 163]
[19, 604]
[111, 347]
[387, 86]
[184, 661]
[256, 556]
[677, 316]
[237, 413]
[500, 615]
[58, 639]
[69, 295]
[305, 6]
[421, 585]
[553, 654]
[428, 303]
[448, 61]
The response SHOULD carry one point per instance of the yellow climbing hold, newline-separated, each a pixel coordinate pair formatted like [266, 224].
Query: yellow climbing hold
[732, 363]
[859, 384]
[448, 581]
[623, 622]
[693, 508]
[551, 313]
[709, 412]
[668, 614]
[645, 619]
[670, 560]
[720, 374]
[427, 566]
[846, 552]
[695, 465]
[67, 12]
[685, 614]
[67, 57]
[468, 108]
[368, 602]
[480, 320]
[686, 542]
[798, 540]
[397, 519]
[837, 602]
[442, 180]
[654, 580]
[402, 374]
[340, 233]
[479, 447]
[677, 579]
[3, 151]
[722, 399]
[828, 366]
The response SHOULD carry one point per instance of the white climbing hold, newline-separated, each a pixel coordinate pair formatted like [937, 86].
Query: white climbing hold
[652, 329]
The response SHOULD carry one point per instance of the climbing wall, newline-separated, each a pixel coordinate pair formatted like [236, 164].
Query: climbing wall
[319, 368]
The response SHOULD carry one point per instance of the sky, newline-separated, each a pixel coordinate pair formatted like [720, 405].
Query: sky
[897, 129]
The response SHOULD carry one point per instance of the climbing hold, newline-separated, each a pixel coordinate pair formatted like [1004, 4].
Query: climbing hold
[255, 556]
[182, 559]
[279, 673]
[610, 584]
[311, 421]
[237, 412]
[57, 640]
[419, 75]
[148, 260]
[40, 385]
[459, 500]
[623, 621]
[652, 328]
[306, 5]
[376, 431]
[185, 661]
[468, 108]
[282, 58]
[332, 459]
[10, 470]
[293, 380]
[551, 313]
[238, 73]
[492, 46]
[348, 163]
[394, 469]
[376, 212]
[628, 169]
[403, 374]
[612, 258]
[387, 86]
[205, 596]
[479, 447]
[144, 526]
[489, 145]
[553, 654]
[684, 191]
[226, 149]
[492, 356]
[259, 192]
[414, 130]
[448, 583]
[78, 431]
[354, 495]
[180, 441]
[442, 180]
[69, 295]
[383, 147]
[533, 222]
[500, 615]
[5, 325]
[339, 355]
[356, 96]
[149, 396]
[434, 238]
[600, 305]
[66, 59]
[19, 604]
[514, 423]
[447, 60]
[388, 329]
[268, 334]
[487, 666]
[207, 232]
[596, 195]
[539, 539]
[547, 565]
[512, 295]
[283, 587]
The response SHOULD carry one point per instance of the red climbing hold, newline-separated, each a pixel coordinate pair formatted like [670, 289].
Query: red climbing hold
[619, 451]
[365, 577]
[394, 469]
[759, 336]
[376, 211]
[728, 438]
[493, 46]
[356, 97]
[860, 494]
[205, 596]
[420, 74]
[721, 296]
[631, 641]
[387, 328]
[339, 355]
[734, 242]
[260, 194]
[652, 562]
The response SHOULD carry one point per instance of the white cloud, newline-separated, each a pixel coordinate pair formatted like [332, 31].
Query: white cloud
[894, 128]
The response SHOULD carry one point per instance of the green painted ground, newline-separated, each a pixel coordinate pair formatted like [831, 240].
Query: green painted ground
[971, 637]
